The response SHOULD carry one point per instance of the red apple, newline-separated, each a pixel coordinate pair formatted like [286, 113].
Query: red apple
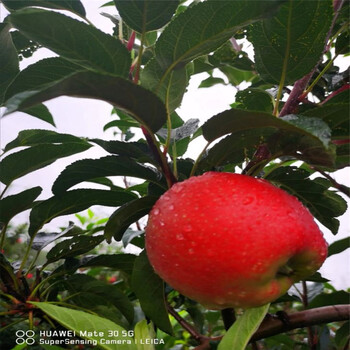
[230, 240]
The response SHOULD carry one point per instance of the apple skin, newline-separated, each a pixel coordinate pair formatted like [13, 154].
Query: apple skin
[230, 240]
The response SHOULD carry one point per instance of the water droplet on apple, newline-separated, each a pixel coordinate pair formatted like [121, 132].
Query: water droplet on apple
[188, 228]
[191, 251]
[166, 197]
[161, 223]
[220, 301]
[156, 211]
[171, 207]
[247, 200]
[242, 294]
[177, 188]
[179, 236]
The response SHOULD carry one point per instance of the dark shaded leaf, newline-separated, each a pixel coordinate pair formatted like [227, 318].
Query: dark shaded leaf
[72, 202]
[135, 236]
[74, 40]
[336, 116]
[87, 169]
[211, 81]
[289, 45]
[324, 204]
[126, 215]
[74, 6]
[12, 205]
[24, 162]
[317, 277]
[73, 246]
[8, 60]
[123, 262]
[338, 297]
[146, 15]
[301, 137]
[255, 100]
[339, 246]
[33, 137]
[343, 334]
[140, 103]
[42, 239]
[41, 112]
[135, 150]
[89, 293]
[7, 275]
[149, 289]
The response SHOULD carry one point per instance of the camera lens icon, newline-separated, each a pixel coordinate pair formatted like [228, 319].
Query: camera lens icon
[25, 337]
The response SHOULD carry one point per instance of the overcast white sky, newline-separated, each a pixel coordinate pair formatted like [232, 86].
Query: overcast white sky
[86, 118]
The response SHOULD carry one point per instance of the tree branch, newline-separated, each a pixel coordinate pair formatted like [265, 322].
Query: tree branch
[273, 325]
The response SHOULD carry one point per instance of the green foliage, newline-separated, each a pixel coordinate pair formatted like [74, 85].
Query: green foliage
[79, 275]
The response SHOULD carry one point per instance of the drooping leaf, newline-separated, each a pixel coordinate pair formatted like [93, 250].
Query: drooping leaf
[42, 239]
[33, 137]
[324, 204]
[239, 334]
[73, 246]
[146, 15]
[74, 6]
[140, 103]
[149, 288]
[87, 169]
[74, 40]
[72, 202]
[12, 205]
[127, 214]
[86, 325]
[41, 112]
[298, 136]
[287, 46]
[24, 162]
[339, 246]
[8, 60]
[123, 262]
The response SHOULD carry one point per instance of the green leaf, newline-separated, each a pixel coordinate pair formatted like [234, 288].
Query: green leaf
[135, 150]
[144, 334]
[87, 169]
[339, 246]
[336, 115]
[86, 324]
[90, 293]
[8, 60]
[324, 204]
[211, 81]
[24, 46]
[301, 137]
[42, 74]
[289, 45]
[146, 15]
[140, 103]
[123, 262]
[73, 247]
[74, 6]
[255, 100]
[336, 298]
[12, 205]
[239, 334]
[34, 137]
[342, 336]
[72, 202]
[41, 112]
[74, 40]
[126, 215]
[24, 162]
[169, 89]
[149, 289]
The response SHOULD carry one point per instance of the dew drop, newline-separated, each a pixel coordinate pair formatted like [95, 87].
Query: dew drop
[177, 188]
[191, 251]
[161, 223]
[247, 200]
[179, 237]
[220, 301]
[171, 207]
[156, 211]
